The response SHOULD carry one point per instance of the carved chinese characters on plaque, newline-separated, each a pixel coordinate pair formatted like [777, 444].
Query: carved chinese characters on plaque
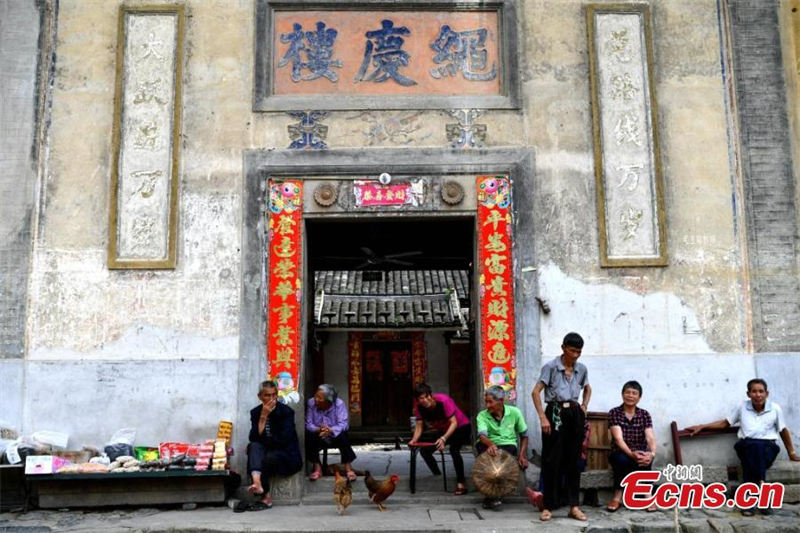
[144, 181]
[284, 308]
[496, 282]
[386, 52]
[627, 166]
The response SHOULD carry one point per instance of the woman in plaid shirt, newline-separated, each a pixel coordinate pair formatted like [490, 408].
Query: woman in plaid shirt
[633, 445]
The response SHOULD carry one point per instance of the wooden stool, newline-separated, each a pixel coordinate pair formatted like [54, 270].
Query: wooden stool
[412, 475]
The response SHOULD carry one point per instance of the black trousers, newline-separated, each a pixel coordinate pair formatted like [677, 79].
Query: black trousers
[622, 465]
[561, 450]
[510, 448]
[269, 463]
[459, 438]
[314, 443]
[756, 455]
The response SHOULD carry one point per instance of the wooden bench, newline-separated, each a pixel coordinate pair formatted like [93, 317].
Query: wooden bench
[12, 487]
[678, 434]
[129, 488]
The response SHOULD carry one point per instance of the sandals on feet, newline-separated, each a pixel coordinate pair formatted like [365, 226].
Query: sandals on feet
[245, 505]
[577, 514]
[259, 506]
[612, 506]
[313, 476]
[545, 516]
[460, 491]
[352, 476]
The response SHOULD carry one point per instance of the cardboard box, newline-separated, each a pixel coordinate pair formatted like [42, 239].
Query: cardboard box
[44, 464]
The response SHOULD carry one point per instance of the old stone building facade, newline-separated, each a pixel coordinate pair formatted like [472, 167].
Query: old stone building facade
[649, 151]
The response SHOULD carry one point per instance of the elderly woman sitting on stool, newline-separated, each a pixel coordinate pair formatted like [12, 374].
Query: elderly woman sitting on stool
[327, 422]
[633, 445]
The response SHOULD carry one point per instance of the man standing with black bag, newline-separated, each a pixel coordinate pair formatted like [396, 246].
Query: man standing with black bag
[562, 381]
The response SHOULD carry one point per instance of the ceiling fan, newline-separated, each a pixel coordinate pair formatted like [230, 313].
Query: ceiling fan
[372, 259]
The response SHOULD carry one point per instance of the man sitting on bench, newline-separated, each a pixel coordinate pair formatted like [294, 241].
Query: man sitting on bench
[760, 423]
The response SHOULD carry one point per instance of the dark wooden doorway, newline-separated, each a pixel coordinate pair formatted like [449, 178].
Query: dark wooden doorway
[460, 364]
[387, 395]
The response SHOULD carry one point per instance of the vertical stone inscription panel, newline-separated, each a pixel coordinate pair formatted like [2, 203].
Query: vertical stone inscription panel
[627, 158]
[143, 209]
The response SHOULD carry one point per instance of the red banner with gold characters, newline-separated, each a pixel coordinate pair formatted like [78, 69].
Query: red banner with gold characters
[496, 283]
[285, 286]
[419, 361]
[354, 371]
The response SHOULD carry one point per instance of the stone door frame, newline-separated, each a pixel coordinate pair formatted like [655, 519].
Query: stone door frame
[260, 165]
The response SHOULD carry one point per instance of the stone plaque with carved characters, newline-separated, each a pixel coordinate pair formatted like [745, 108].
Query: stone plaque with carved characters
[381, 54]
[627, 156]
[144, 175]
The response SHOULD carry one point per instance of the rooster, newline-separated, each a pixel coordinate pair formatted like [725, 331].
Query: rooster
[379, 491]
[342, 492]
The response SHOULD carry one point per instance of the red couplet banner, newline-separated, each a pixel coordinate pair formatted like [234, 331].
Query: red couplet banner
[285, 286]
[419, 364]
[496, 288]
[355, 371]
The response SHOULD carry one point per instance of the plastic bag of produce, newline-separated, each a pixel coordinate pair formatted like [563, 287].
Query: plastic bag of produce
[18, 450]
[56, 439]
[121, 443]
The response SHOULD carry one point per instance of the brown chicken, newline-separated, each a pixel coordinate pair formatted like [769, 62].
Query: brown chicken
[342, 492]
[380, 490]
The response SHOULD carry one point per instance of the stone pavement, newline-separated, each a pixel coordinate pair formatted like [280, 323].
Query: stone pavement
[430, 509]
[464, 514]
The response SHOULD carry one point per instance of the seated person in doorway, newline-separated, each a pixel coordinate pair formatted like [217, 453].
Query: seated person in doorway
[760, 423]
[451, 425]
[633, 444]
[327, 422]
[562, 380]
[274, 448]
[499, 428]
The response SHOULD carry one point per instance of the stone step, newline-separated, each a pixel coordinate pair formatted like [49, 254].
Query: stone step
[787, 472]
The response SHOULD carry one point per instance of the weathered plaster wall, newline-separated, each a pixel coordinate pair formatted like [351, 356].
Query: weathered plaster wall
[769, 181]
[703, 271]
[79, 308]
[782, 374]
[163, 400]
[12, 376]
[91, 312]
[19, 55]
[84, 315]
